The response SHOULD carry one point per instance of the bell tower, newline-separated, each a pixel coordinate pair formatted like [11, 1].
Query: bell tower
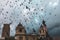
[6, 31]
[43, 30]
[20, 32]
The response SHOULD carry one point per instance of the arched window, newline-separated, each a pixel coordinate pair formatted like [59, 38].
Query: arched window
[20, 30]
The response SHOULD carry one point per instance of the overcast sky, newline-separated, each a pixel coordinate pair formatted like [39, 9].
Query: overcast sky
[30, 14]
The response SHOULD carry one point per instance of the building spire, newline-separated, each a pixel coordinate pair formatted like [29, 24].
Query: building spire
[43, 22]
[19, 24]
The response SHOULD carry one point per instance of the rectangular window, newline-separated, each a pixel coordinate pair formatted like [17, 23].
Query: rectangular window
[21, 38]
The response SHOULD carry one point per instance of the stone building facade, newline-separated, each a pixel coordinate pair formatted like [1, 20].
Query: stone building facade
[21, 33]
[5, 32]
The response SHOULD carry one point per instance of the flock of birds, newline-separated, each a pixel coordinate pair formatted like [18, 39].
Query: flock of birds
[30, 13]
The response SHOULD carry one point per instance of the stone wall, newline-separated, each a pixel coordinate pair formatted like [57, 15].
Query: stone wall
[2, 38]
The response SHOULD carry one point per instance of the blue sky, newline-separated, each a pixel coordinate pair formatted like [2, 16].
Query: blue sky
[30, 13]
